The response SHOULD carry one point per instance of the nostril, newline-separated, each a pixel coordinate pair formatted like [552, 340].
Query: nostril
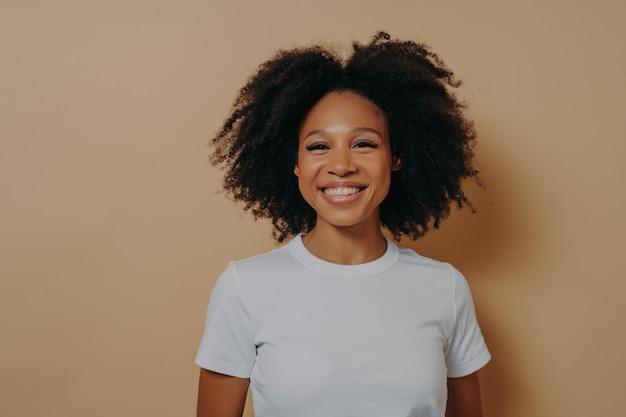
[341, 166]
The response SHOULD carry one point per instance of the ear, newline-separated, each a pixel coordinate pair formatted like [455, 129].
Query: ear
[396, 163]
[296, 170]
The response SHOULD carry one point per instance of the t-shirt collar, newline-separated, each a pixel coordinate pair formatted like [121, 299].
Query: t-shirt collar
[368, 269]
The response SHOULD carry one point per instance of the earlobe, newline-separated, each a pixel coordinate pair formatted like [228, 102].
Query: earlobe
[396, 163]
[296, 171]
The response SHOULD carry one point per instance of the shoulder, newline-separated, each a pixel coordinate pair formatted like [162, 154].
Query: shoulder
[411, 259]
[263, 263]
[431, 272]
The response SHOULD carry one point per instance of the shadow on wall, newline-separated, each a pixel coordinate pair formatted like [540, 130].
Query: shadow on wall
[477, 244]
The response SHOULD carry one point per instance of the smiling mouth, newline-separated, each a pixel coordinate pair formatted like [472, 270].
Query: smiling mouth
[342, 191]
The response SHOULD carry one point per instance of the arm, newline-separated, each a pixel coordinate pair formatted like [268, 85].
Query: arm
[221, 395]
[464, 397]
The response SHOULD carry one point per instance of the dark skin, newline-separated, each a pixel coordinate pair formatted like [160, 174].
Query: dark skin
[343, 144]
[221, 395]
[464, 397]
[225, 396]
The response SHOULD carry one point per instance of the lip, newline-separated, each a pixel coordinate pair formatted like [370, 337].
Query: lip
[342, 184]
[343, 192]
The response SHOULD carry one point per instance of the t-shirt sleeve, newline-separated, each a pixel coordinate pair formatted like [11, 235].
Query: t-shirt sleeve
[466, 351]
[227, 345]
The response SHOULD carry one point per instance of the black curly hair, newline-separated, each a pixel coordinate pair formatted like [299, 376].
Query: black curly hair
[428, 130]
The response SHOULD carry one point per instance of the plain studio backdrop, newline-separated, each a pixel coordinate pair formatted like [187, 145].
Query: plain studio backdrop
[112, 230]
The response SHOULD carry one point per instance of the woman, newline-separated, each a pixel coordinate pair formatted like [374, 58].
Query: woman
[340, 321]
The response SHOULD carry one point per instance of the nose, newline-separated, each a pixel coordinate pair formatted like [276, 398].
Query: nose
[340, 162]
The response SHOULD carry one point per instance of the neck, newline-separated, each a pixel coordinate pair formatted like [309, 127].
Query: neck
[345, 245]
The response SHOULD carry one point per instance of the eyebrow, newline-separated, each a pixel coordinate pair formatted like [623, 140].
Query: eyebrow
[324, 132]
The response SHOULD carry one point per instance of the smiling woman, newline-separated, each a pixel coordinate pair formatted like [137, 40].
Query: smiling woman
[344, 167]
[341, 321]
[427, 128]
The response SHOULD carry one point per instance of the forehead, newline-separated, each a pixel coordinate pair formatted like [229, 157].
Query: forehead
[344, 108]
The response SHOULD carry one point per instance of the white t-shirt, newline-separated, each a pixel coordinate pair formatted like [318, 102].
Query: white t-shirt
[319, 339]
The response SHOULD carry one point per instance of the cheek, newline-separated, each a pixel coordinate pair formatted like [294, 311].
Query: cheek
[307, 166]
[384, 176]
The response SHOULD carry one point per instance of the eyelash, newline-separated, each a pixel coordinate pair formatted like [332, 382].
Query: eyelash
[359, 144]
[366, 144]
[316, 146]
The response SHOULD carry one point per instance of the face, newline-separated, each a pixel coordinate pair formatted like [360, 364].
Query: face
[344, 160]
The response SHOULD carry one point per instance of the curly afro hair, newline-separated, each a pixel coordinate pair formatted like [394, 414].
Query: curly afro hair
[428, 130]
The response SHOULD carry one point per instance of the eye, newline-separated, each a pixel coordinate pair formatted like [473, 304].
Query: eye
[363, 143]
[316, 146]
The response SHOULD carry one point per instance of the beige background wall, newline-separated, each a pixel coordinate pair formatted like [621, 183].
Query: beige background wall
[112, 234]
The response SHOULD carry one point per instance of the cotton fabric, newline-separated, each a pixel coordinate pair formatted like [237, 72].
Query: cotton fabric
[322, 339]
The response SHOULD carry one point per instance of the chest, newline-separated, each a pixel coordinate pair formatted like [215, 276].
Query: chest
[351, 345]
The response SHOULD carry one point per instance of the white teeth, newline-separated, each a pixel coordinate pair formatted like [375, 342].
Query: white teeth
[341, 191]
